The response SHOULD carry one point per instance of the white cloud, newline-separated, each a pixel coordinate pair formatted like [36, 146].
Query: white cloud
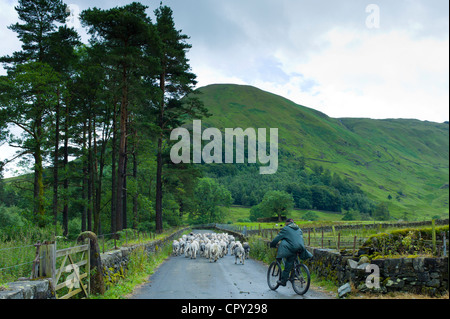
[324, 57]
[365, 73]
[380, 75]
[317, 54]
[8, 38]
[73, 20]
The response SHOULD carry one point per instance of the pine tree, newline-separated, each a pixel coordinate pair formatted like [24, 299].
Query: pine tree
[27, 95]
[123, 32]
[176, 81]
[46, 51]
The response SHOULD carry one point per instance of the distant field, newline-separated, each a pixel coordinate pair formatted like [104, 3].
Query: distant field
[237, 213]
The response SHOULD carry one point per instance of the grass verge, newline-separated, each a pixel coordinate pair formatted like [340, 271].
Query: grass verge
[140, 266]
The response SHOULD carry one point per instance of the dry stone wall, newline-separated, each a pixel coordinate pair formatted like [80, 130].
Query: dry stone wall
[422, 275]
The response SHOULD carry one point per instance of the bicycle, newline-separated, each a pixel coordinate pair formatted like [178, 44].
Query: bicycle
[300, 276]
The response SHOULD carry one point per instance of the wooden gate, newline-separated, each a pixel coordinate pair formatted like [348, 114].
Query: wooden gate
[71, 266]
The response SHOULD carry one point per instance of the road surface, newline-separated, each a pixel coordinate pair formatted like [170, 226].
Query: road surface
[184, 278]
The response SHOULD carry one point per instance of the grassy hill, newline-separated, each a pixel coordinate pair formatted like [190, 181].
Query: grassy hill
[406, 159]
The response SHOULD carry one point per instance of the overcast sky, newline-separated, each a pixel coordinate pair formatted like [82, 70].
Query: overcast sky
[344, 58]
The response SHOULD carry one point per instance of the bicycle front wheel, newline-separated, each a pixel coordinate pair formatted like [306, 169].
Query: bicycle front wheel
[301, 280]
[273, 275]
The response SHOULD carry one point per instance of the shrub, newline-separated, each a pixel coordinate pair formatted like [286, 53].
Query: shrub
[260, 250]
[10, 216]
[403, 241]
[310, 216]
[74, 227]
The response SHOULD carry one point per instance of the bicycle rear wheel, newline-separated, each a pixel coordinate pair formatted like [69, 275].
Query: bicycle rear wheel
[273, 275]
[301, 280]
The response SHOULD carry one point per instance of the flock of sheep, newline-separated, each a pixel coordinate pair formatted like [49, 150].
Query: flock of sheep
[212, 246]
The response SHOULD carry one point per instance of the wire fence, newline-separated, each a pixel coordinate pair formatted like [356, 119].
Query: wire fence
[353, 237]
[353, 241]
[17, 261]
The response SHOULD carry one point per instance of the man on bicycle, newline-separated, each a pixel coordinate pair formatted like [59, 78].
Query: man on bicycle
[291, 237]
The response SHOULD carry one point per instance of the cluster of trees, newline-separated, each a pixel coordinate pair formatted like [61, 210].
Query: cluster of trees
[97, 116]
[276, 203]
[93, 121]
[315, 188]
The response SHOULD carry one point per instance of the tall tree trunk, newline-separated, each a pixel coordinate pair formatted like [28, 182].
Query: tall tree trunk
[135, 195]
[97, 186]
[99, 173]
[90, 179]
[124, 193]
[84, 184]
[39, 208]
[113, 173]
[159, 163]
[56, 163]
[39, 187]
[122, 151]
[158, 204]
[66, 175]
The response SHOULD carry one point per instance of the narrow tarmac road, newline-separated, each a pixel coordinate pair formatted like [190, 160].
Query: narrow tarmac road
[184, 278]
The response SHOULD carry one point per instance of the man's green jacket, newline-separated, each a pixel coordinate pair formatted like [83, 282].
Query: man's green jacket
[291, 237]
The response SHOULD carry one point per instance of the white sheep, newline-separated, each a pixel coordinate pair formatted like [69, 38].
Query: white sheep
[187, 250]
[246, 247]
[182, 245]
[223, 248]
[202, 248]
[175, 247]
[214, 252]
[232, 245]
[239, 253]
[207, 250]
[194, 249]
[212, 246]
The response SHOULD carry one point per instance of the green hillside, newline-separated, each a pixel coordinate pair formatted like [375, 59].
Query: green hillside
[406, 159]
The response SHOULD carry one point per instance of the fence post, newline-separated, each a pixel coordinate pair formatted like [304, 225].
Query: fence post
[444, 246]
[47, 265]
[322, 238]
[309, 237]
[35, 269]
[339, 240]
[354, 245]
[88, 264]
[433, 230]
